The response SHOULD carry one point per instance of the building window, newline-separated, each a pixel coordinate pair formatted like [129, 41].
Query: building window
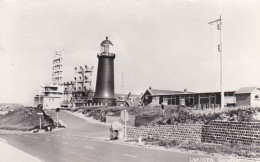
[256, 96]
[228, 94]
[170, 100]
[188, 100]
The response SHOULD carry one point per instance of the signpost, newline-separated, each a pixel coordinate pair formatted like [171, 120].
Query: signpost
[57, 110]
[40, 114]
[125, 117]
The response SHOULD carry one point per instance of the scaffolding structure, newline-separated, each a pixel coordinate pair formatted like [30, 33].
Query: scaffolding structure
[57, 68]
[80, 92]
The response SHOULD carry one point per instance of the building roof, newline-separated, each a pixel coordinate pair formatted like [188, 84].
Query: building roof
[245, 90]
[126, 95]
[213, 92]
[129, 101]
[106, 42]
[156, 92]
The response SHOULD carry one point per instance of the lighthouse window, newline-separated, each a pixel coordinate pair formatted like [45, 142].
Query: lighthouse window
[106, 48]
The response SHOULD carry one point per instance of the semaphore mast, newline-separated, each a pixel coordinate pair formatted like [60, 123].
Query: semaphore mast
[219, 26]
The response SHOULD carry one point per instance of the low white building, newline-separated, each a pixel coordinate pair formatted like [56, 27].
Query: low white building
[51, 96]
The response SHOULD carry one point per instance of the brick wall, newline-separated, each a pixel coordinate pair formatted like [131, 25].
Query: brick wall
[173, 132]
[227, 132]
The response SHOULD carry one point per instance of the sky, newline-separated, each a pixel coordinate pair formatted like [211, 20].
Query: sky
[165, 44]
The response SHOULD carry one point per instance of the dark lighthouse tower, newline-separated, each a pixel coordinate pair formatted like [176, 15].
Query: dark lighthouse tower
[105, 93]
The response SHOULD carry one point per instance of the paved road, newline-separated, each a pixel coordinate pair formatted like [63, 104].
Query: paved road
[80, 142]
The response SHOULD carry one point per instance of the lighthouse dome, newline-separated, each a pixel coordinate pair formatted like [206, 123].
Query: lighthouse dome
[106, 42]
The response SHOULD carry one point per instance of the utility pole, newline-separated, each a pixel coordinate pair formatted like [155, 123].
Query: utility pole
[219, 26]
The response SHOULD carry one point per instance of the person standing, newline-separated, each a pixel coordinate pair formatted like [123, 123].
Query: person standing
[162, 106]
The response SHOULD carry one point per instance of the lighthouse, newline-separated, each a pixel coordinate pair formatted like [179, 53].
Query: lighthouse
[105, 93]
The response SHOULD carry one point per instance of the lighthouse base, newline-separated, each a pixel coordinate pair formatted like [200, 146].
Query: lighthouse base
[104, 101]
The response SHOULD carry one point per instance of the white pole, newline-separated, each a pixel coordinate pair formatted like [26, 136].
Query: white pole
[221, 64]
[57, 120]
[125, 123]
[40, 123]
[219, 22]
[221, 56]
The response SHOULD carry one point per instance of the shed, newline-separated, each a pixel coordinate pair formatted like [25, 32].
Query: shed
[248, 96]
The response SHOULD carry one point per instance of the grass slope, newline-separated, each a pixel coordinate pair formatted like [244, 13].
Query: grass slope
[24, 119]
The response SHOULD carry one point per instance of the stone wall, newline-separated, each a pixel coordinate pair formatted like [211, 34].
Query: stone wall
[231, 132]
[191, 132]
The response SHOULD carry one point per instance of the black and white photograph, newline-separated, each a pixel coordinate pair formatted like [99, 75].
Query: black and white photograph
[129, 80]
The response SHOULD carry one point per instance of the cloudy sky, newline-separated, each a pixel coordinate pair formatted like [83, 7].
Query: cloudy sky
[166, 44]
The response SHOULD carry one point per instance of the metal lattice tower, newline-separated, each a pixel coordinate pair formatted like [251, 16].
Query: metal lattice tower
[83, 79]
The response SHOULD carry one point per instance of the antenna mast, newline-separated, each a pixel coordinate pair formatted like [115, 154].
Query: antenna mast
[219, 26]
[122, 83]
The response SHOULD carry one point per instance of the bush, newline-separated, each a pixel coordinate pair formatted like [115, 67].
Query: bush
[174, 114]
